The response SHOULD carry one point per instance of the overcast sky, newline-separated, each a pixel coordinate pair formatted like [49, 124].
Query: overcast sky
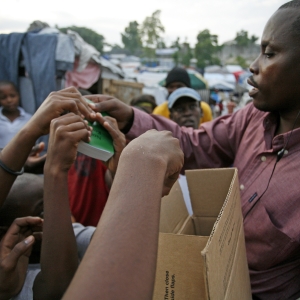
[182, 18]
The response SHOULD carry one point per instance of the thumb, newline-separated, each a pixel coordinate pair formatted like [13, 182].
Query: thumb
[40, 147]
[169, 182]
[20, 249]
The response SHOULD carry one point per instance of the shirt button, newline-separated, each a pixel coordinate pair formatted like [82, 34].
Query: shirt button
[286, 151]
[263, 158]
[242, 187]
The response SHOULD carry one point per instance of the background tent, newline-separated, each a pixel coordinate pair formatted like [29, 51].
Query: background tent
[221, 86]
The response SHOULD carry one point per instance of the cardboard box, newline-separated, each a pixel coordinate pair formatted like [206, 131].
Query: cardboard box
[203, 256]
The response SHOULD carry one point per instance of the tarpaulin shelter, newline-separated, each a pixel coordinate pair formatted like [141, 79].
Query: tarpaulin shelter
[45, 60]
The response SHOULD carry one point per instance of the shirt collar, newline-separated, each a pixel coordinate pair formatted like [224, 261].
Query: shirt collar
[21, 110]
[276, 143]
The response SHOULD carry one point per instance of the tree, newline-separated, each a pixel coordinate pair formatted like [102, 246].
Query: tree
[90, 36]
[176, 43]
[184, 53]
[243, 40]
[151, 31]
[131, 38]
[176, 55]
[242, 62]
[206, 49]
[161, 44]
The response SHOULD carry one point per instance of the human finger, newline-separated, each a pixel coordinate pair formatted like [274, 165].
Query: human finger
[117, 109]
[98, 98]
[111, 125]
[60, 103]
[38, 148]
[20, 223]
[74, 94]
[37, 159]
[22, 248]
[38, 235]
[169, 182]
[71, 126]
[69, 119]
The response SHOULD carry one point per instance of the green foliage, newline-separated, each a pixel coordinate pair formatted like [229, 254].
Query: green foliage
[176, 44]
[184, 54]
[176, 56]
[131, 38]
[206, 49]
[149, 53]
[243, 40]
[152, 29]
[90, 36]
[161, 44]
[242, 62]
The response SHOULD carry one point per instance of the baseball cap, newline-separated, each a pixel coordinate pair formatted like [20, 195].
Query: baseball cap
[183, 92]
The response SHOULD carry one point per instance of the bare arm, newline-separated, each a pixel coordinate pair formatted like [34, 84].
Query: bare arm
[59, 258]
[15, 154]
[120, 262]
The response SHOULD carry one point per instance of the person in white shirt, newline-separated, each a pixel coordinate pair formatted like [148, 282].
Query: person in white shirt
[12, 116]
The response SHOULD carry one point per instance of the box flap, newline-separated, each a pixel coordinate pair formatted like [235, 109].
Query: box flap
[192, 265]
[222, 249]
[208, 189]
[173, 213]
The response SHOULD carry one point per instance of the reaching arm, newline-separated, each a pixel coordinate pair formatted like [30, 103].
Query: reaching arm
[214, 145]
[59, 259]
[15, 154]
[120, 262]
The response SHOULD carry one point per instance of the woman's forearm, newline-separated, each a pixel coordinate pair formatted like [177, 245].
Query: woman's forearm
[124, 247]
[14, 156]
[59, 258]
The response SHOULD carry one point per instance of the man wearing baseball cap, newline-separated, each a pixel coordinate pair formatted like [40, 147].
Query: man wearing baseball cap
[178, 78]
[184, 107]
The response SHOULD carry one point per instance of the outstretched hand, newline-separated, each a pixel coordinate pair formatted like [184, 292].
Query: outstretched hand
[117, 109]
[57, 104]
[15, 249]
[65, 134]
[159, 147]
[119, 141]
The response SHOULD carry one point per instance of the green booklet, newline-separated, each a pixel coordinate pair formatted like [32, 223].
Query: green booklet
[101, 143]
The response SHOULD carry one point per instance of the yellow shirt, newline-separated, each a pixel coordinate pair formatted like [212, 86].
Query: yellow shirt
[163, 110]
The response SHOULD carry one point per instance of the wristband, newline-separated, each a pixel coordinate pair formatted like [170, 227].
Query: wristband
[10, 171]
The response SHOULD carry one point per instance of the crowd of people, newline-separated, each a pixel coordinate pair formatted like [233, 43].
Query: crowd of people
[86, 229]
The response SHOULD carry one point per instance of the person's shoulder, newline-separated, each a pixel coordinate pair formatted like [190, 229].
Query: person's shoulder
[207, 113]
[81, 230]
[205, 105]
[83, 235]
[161, 109]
